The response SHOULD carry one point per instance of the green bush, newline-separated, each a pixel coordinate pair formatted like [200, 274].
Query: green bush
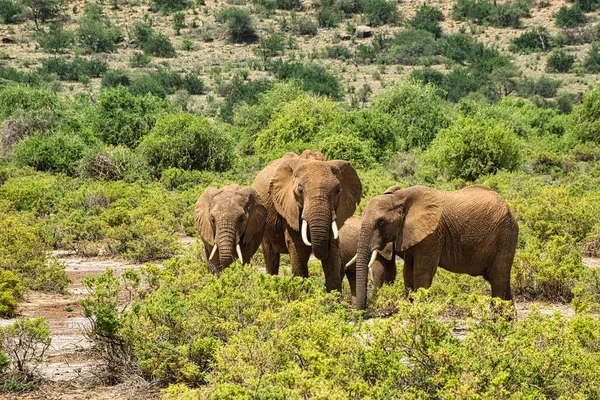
[57, 40]
[240, 91]
[170, 5]
[78, 70]
[114, 78]
[140, 33]
[474, 10]
[418, 109]
[139, 60]
[586, 5]
[428, 19]
[121, 118]
[148, 86]
[536, 39]
[239, 24]
[23, 252]
[10, 291]
[16, 76]
[159, 45]
[587, 117]
[473, 147]
[304, 25]
[96, 35]
[272, 46]
[337, 52]
[592, 59]
[295, 126]
[55, 152]
[504, 15]
[312, 78]
[188, 142]
[408, 46]
[178, 22]
[43, 10]
[380, 12]
[11, 12]
[570, 17]
[544, 86]
[560, 62]
[20, 99]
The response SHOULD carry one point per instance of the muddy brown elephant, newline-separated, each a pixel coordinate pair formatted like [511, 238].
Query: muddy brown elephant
[383, 269]
[307, 199]
[470, 231]
[231, 221]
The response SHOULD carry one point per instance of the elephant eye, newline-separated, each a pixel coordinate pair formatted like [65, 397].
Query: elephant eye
[212, 219]
[381, 223]
[299, 189]
[338, 190]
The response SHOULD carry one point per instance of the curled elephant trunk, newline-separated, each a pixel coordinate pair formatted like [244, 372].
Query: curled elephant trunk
[364, 259]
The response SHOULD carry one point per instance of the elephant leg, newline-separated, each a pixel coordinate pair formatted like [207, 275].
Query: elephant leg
[332, 267]
[351, 276]
[409, 284]
[424, 267]
[390, 270]
[499, 276]
[272, 258]
[299, 254]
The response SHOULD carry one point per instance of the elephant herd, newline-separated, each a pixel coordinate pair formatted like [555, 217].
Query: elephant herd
[303, 204]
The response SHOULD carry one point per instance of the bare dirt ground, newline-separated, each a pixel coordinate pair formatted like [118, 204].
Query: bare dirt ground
[69, 366]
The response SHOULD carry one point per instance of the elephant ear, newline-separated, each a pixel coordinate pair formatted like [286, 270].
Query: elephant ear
[257, 215]
[423, 208]
[388, 251]
[282, 193]
[351, 190]
[202, 214]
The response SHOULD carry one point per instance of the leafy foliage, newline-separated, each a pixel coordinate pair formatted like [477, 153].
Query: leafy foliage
[312, 78]
[559, 61]
[239, 24]
[10, 11]
[569, 17]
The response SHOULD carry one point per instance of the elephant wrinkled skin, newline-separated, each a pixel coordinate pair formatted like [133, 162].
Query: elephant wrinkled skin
[307, 199]
[383, 269]
[470, 231]
[231, 221]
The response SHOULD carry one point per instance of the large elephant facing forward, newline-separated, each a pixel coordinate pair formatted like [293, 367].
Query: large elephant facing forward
[307, 199]
[231, 221]
[470, 231]
[383, 268]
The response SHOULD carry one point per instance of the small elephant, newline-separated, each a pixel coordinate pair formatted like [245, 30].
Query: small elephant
[230, 221]
[307, 200]
[469, 231]
[383, 269]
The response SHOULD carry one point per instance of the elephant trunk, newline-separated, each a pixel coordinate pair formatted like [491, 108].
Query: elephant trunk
[226, 240]
[319, 223]
[363, 259]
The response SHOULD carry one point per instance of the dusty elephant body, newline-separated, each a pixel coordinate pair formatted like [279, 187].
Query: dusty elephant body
[383, 269]
[470, 231]
[307, 200]
[231, 222]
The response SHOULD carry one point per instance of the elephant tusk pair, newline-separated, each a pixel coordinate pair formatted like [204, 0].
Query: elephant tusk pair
[334, 228]
[371, 261]
[238, 249]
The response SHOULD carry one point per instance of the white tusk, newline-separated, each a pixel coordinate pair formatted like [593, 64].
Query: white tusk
[304, 235]
[334, 228]
[213, 252]
[373, 256]
[349, 263]
[239, 252]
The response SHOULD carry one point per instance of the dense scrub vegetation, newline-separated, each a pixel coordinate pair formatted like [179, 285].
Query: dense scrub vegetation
[100, 159]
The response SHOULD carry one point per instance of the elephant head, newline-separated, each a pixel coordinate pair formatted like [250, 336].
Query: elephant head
[228, 218]
[315, 197]
[401, 216]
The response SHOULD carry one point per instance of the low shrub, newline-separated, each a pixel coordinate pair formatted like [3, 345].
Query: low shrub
[474, 147]
[121, 118]
[96, 35]
[55, 152]
[25, 342]
[337, 52]
[10, 291]
[139, 60]
[544, 86]
[11, 11]
[112, 163]
[570, 17]
[503, 15]
[560, 62]
[312, 78]
[16, 100]
[57, 40]
[269, 47]
[586, 5]
[168, 6]
[240, 91]
[114, 78]
[428, 19]
[239, 24]
[78, 70]
[304, 25]
[408, 46]
[592, 59]
[188, 142]
[587, 118]
[380, 12]
[537, 39]
[159, 45]
[23, 252]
